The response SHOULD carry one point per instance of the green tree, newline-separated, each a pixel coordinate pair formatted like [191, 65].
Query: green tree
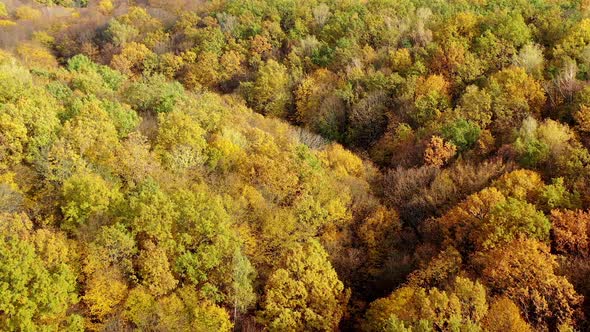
[153, 94]
[512, 218]
[36, 290]
[270, 93]
[462, 133]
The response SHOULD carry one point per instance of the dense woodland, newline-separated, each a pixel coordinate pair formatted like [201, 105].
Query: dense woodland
[289, 165]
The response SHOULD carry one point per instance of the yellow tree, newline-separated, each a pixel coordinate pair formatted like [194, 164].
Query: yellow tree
[13, 135]
[504, 316]
[36, 55]
[85, 195]
[515, 95]
[132, 58]
[570, 231]
[304, 293]
[461, 307]
[524, 271]
[311, 93]
[154, 270]
[180, 141]
[438, 152]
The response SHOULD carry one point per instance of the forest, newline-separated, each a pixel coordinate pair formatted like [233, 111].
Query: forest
[290, 165]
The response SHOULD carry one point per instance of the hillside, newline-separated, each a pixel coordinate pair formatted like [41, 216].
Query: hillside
[284, 165]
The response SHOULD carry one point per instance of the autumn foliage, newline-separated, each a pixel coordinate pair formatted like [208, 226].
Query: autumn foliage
[285, 165]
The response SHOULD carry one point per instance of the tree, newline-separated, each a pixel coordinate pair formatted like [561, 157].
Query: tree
[36, 55]
[102, 75]
[13, 135]
[313, 98]
[574, 42]
[461, 224]
[524, 271]
[511, 27]
[38, 113]
[582, 117]
[91, 134]
[515, 95]
[522, 184]
[269, 94]
[153, 94]
[530, 57]
[123, 117]
[36, 290]
[303, 292]
[504, 315]
[104, 290]
[27, 13]
[461, 307]
[431, 98]
[132, 60]
[453, 57]
[495, 52]
[85, 195]
[183, 310]
[180, 141]
[136, 161]
[556, 195]
[472, 296]
[403, 186]
[135, 25]
[114, 246]
[232, 65]
[11, 197]
[122, 34]
[204, 72]
[366, 119]
[512, 218]
[439, 272]
[438, 152]
[210, 254]
[570, 232]
[151, 212]
[463, 134]
[538, 143]
[15, 80]
[170, 64]
[154, 270]
[406, 304]
[488, 219]
[209, 317]
[105, 7]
